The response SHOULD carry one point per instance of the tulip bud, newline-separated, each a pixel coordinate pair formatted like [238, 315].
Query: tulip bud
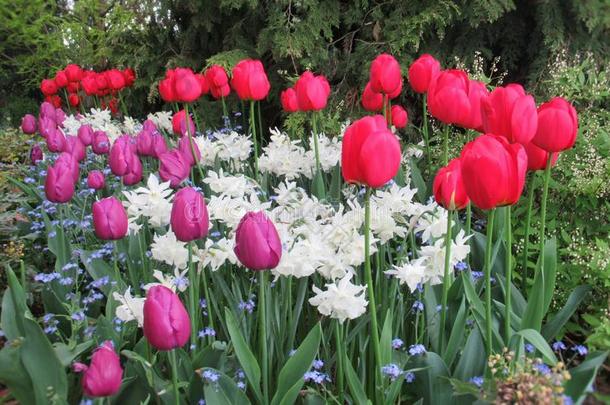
[400, 117]
[511, 113]
[493, 171]
[166, 322]
[36, 154]
[557, 125]
[59, 183]
[144, 143]
[312, 92]
[448, 99]
[74, 72]
[371, 100]
[189, 217]
[60, 117]
[184, 146]
[159, 146]
[121, 155]
[250, 80]
[56, 141]
[179, 124]
[85, 134]
[422, 71]
[537, 157]
[47, 110]
[186, 86]
[96, 180]
[61, 80]
[173, 167]
[101, 143]
[289, 100]
[257, 243]
[115, 79]
[370, 153]
[134, 171]
[218, 80]
[48, 87]
[75, 147]
[109, 219]
[68, 160]
[385, 75]
[103, 376]
[28, 124]
[74, 100]
[448, 187]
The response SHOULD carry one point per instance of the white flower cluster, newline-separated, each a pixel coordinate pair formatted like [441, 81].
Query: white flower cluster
[152, 202]
[228, 147]
[162, 120]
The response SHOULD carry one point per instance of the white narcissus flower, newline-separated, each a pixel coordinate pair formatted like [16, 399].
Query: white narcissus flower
[167, 249]
[410, 273]
[285, 157]
[71, 125]
[435, 256]
[152, 202]
[329, 150]
[178, 281]
[131, 308]
[234, 186]
[131, 126]
[215, 254]
[432, 224]
[162, 120]
[341, 300]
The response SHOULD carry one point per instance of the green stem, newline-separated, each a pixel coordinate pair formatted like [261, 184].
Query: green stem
[526, 241]
[509, 274]
[262, 330]
[314, 125]
[188, 131]
[448, 242]
[224, 109]
[469, 226]
[488, 321]
[425, 127]
[253, 131]
[206, 292]
[260, 122]
[115, 254]
[172, 359]
[340, 358]
[369, 282]
[192, 304]
[446, 145]
[545, 194]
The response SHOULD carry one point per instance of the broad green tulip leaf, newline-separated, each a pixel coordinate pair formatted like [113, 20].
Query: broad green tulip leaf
[386, 340]
[355, 385]
[541, 293]
[553, 327]
[224, 391]
[539, 343]
[432, 378]
[473, 358]
[583, 377]
[457, 334]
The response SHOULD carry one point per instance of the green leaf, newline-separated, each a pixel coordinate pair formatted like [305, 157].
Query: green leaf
[244, 355]
[20, 307]
[290, 379]
[542, 290]
[539, 343]
[98, 268]
[583, 376]
[8, 318]
[386, 339]
[432, 378]
[457, 334]
[418, 181]
[67, 354]
[317, 185]
[478, 310]
[355, 385]
[473, 358]
[14, 375]
[43, 365]
[224, 392]
[553, 327]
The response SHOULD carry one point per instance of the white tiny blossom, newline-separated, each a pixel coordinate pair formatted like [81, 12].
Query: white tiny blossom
[215, 254]
[152, 202]
[131, 126]
[411, 273]
[234, 186]
[131, 308]
[175, 282]
[341, 300]
[167, 249]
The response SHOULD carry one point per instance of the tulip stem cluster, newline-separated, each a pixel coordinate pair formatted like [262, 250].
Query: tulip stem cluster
[192, 295]
[526, 243]
[488, 247]
[446, 282]
[262, 330]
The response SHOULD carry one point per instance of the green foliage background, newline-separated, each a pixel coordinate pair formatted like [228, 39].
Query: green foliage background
[334, 37]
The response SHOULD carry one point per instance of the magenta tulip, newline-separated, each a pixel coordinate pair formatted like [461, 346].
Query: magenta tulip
[257, 243]
[189, 219]
[184, 146]
[56, 141]
[109, 219]
[96, 180]
[85, 134]
[102, 378]
[101, 143]
[173, 167]
[75, 147]
[59, 183]
[36, 154]
[122, 154]
[68, 160]
[166, 322]
[28, 124]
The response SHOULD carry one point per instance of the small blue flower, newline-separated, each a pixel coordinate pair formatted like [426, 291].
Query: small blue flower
[317, 364]
[291, 352]
[316, 376]
[567, 400]
[580, 349]
[461, 266]
[78, 316]
[415, 350]
[397, 343]
[207, 331]
[478, 381]
[543, 369]
[418, 306]
[409, 377]
[210, 376]
[392, 371]
[529, 348]
[241, 385]
[476, 275]
[558, 346]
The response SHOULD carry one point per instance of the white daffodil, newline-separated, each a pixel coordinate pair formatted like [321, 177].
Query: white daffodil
[410, 273]
[131, 308]
[167, 249]
[341, 300]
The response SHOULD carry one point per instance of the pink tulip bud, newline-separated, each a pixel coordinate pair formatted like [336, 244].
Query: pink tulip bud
[101, 143]
[75, 147]
[422, 72]
[385, 75]
[289, 100]
[371, 100]
[109, 219]
[312, 92]
[56, 141]
[122, 155]
[173, 167]
[96, 180]
[134, 175]
[68, 160]
[47, 110]
[36, 154]
[85, 134]
[28, 124]
[189, 217]
[159, 146]
[249, 80]
[103, 376]
[144, 143]
[184, 146]
[257, 243]
[59, 183]
[166, 322]
[557, 125]
[399, 115]
[179, 124]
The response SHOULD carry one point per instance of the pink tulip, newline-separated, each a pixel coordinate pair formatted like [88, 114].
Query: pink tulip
[96, 180]
[101, 143]
[189, 218]
[28, 124]
[312, 92]
[179, 123]
[399, 115]
[75, 147]
[257, 243]
[109, 219]
[85, 134]
[385, 75]
[166, 322]
[134, 173]
[68, 160]
[250, 80]
[122, 155]
[102, 378]
[184, 146]
[422, 71]
[173, 167]
[59, 183]
[36, 154]
[510, 112]
[56, 141]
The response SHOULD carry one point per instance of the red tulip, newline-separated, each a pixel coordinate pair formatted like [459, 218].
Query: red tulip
[371, 100]
[454, 99]
[101, 143]
[493, 171]
[289, 100]
[109, 219]
[85, 134]
[74, 72]
[54, 99]
[189, 218]
[477, 91]
[73, 87]
[166, 322]
[48, 87]
[61, 80]
[385, 74]
[249, 80]
[218, 80]
[179, 124]
[312, 92]
[103, 376]
[422, 71]
[73, 100]
[448, 187]
[89, 85]
[130, 76]
[115, 79]
[370, 153]
[509, 112]
[203, 83]
[186, 86]
[173, 167]
[537, 157]
[399, 115]
[96, 180]
[59, 183]
[557, 125]
[28, 124]
[257, 243]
